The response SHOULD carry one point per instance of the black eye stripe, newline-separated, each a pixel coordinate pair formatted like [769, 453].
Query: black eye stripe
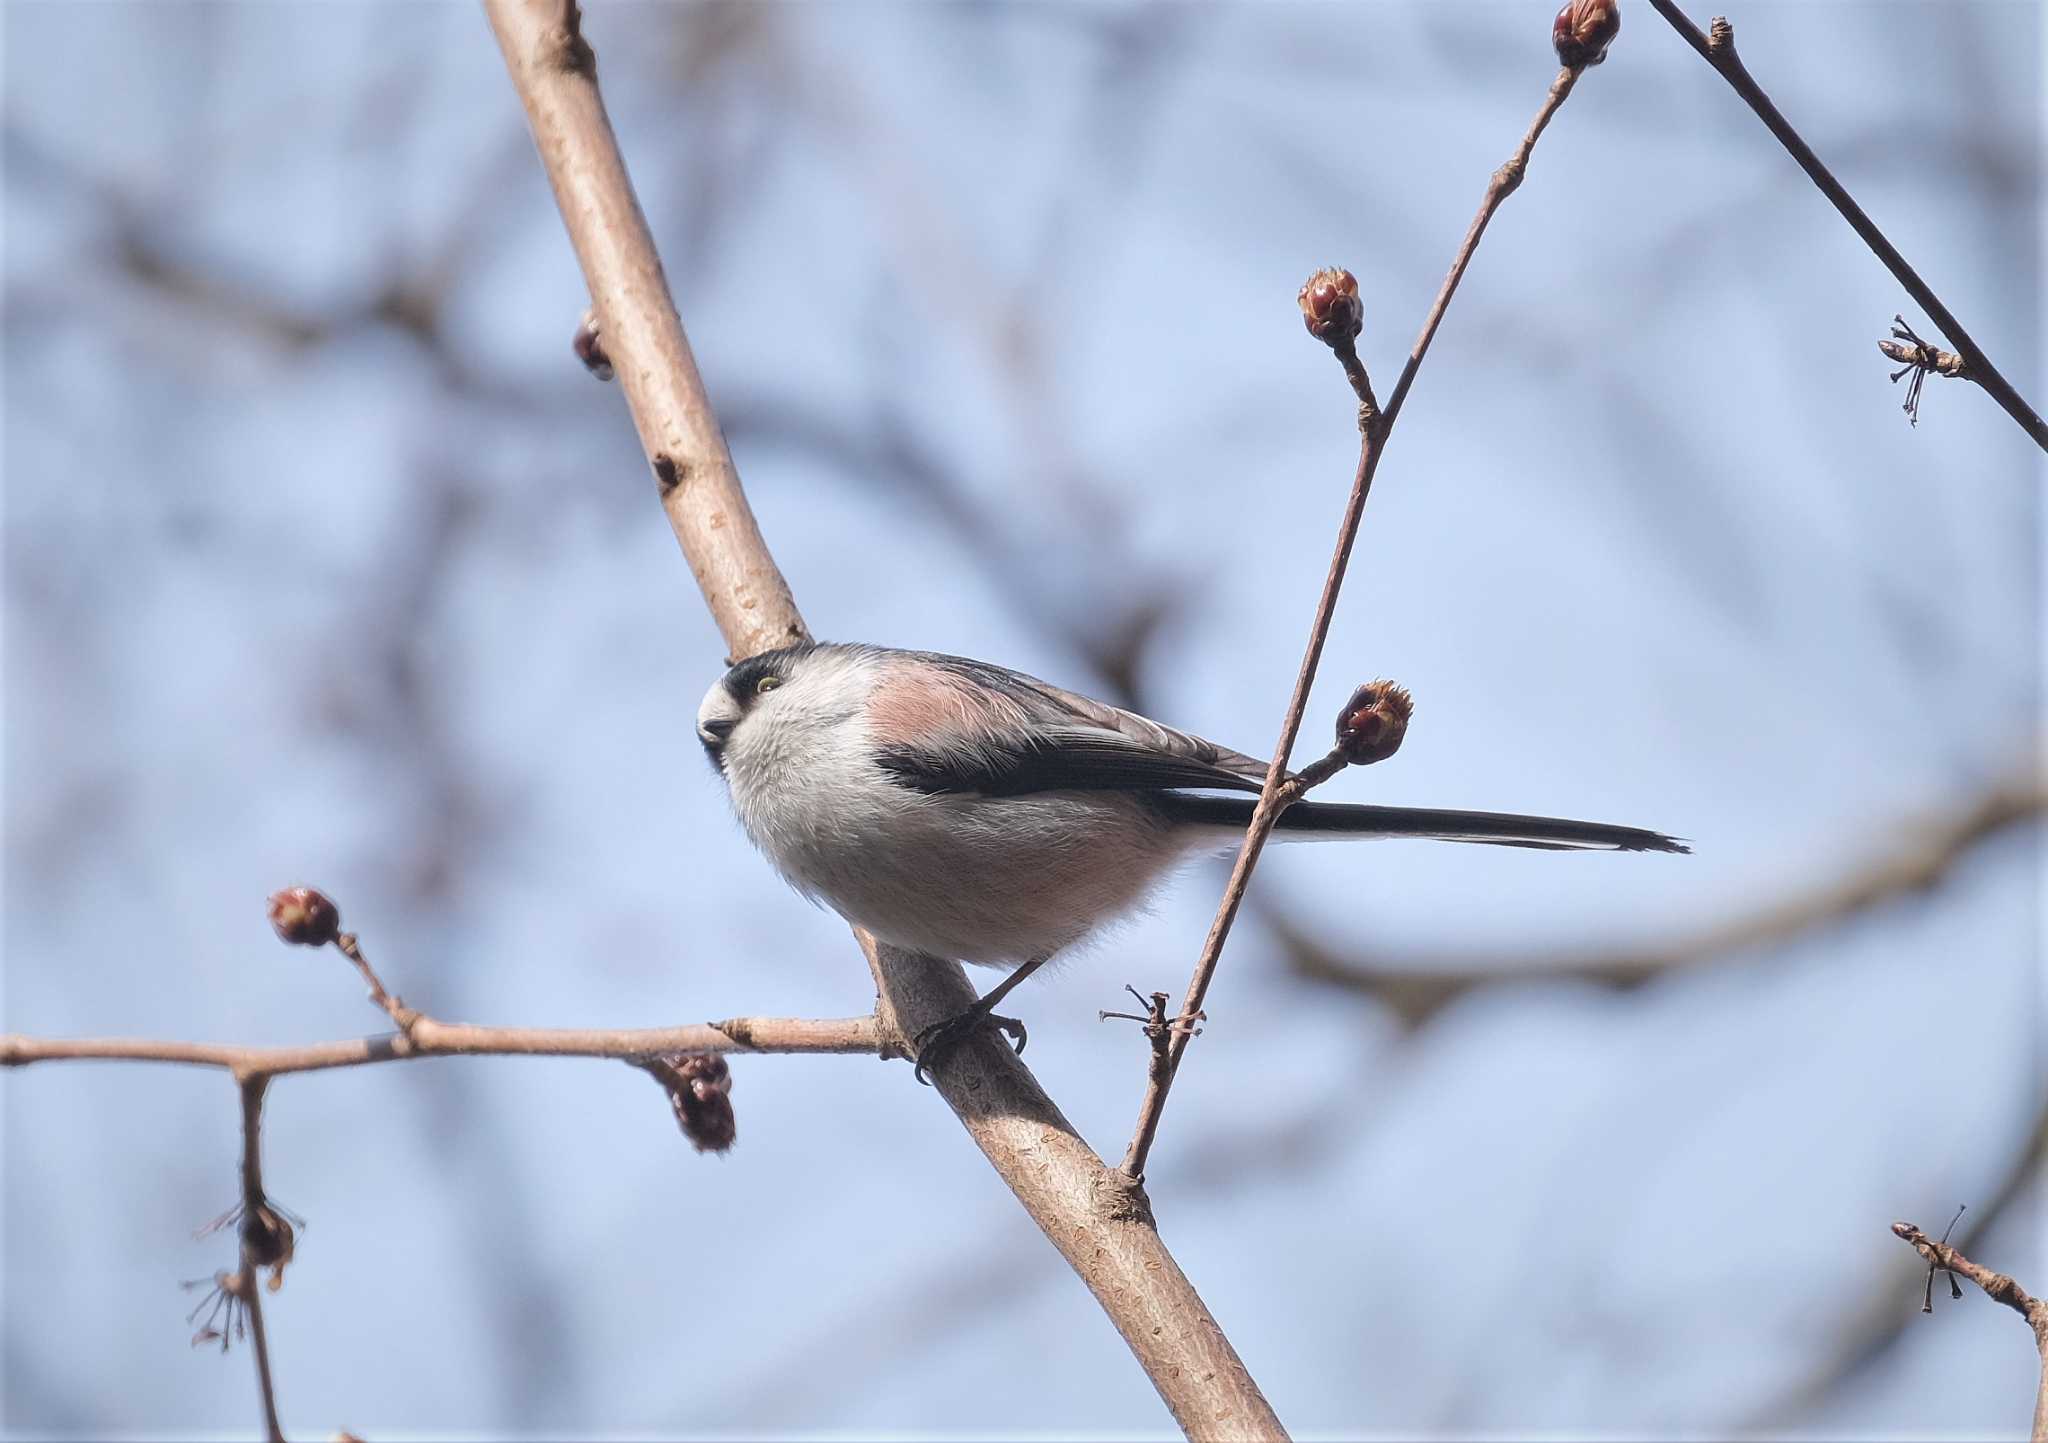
[743, 682]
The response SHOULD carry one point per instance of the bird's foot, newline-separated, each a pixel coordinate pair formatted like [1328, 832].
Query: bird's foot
[935, 1041]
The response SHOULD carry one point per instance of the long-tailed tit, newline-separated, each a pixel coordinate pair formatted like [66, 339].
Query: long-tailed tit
[966, 811]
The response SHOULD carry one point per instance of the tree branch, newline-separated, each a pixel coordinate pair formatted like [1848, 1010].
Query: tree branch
[429, 1038]
[1999, 1288]
[253, 1237]
[1875, 1333]
[556, 76]
[1103, 1227]
[1718, 50]
[1374, 428]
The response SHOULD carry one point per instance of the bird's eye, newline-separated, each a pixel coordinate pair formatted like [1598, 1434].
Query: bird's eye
[766, 684]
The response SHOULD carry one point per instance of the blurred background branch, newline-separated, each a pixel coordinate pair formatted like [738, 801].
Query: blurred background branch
[1918, 856]
[330, 601]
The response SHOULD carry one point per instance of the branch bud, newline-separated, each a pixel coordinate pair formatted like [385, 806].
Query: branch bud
[269, 1241]
[589, 346]
[1373, 722]
[699, 1088]
[1330, 307]
[304, 917]
[1583, 30]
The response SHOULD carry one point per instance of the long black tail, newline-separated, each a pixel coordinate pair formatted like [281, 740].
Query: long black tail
[1500, 829]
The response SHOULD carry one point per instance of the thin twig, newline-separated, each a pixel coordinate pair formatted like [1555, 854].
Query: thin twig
[1866, 1347]
[459, 1039]
[1102, 1227]
[1718, 50]
[1999, 1288]
[1277, 795]
[393, 1007]
[253, 1202]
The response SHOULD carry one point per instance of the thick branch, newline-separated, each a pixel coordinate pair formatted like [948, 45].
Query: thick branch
[1100, 1222]
[1718, 50]
[2000, 1289]
[1374, 429]
[1102, 1227]
[556, 76]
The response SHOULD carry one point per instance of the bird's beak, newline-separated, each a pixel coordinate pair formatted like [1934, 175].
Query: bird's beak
[715, 721]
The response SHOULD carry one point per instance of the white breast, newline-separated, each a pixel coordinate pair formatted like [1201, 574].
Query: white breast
[997, 881]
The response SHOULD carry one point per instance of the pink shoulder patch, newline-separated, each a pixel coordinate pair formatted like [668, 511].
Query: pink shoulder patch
[914, 705]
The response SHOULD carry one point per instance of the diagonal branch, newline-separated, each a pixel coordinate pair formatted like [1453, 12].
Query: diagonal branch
[1718, 50]
[1374, 428]
[1104, 1228]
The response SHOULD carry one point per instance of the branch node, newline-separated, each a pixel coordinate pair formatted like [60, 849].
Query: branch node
[1919, 359]
[403, 1017]
[563, 47]
[1123, 1199]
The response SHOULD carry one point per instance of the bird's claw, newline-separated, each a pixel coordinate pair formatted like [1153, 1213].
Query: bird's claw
[935, 1041]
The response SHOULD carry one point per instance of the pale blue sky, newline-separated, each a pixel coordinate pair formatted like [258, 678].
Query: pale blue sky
[999, 305]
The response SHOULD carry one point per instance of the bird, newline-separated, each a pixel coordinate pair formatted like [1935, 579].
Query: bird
[962, 810]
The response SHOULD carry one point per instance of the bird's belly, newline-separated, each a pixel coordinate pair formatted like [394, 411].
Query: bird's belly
[993, 882]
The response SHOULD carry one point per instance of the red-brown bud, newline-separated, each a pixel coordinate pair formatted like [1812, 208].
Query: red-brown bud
[699, 1088]
[1583, 30]
[589, 345]
[269, 1235]
[304, 916]
[1330, 307]
[268, 1241]
[1373, 722]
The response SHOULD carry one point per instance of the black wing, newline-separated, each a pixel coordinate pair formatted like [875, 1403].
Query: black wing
[1076, 759]
[1070, 743]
